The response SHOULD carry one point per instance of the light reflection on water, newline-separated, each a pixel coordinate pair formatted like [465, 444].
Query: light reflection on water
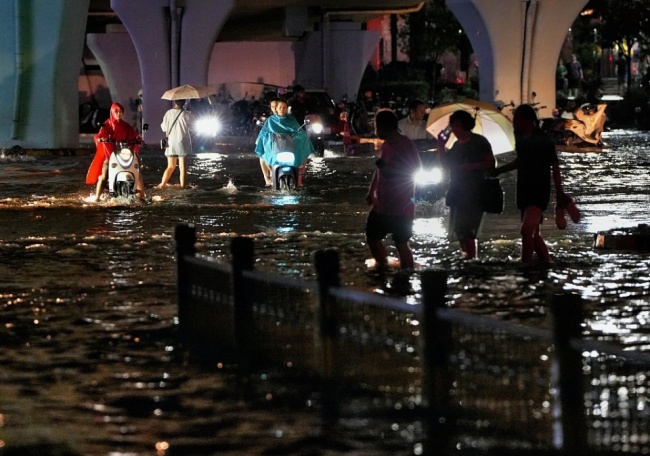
[101, 276]
[226, 198]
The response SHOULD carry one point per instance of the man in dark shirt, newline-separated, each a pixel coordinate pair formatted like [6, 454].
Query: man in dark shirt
[298, 103]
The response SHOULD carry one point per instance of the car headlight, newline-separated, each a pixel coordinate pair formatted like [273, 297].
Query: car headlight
[431, 176]
[207, 126]
[316, 128]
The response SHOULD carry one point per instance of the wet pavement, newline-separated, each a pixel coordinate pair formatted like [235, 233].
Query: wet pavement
[90, 357]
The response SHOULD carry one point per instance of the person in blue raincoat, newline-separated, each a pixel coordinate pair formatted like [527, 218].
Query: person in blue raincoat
[281, 126]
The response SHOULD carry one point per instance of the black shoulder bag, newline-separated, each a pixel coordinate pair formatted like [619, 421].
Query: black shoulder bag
[164, 143]
[492, 196]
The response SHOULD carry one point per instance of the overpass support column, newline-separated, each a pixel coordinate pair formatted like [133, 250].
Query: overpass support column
[335, 58]
[118, 60]
[41, 44]
[194, 28]
[517, 43]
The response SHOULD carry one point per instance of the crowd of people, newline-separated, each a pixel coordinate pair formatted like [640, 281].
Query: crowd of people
[286, 121]
[391, 193]
[468, 163]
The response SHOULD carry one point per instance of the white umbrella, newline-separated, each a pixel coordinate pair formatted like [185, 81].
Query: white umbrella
[490, 122]
[188, 91]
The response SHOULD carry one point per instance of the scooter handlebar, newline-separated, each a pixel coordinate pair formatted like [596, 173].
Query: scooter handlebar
[135, 142]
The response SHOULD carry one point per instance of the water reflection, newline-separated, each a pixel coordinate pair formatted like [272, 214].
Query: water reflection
[100, 278]
[429, 229]
[285, 199]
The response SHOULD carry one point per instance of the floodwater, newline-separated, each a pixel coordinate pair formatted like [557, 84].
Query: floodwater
[89, 357]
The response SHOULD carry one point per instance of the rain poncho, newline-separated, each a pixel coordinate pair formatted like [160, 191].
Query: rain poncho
[118, 130]
[278, 129]
[113, 128]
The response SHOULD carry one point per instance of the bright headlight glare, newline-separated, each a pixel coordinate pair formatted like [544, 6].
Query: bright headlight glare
[207, 126]
[431, 176]
[316, 127]
[285, 158]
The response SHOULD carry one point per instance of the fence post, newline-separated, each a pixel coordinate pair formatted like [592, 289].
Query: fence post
[326, 263]
[242, 260]
[185, 236]
[568, 381]
[436, 338]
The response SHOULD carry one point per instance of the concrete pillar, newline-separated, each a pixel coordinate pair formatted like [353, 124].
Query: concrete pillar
[350, 51]
[148, 24]
[41, 44]
[201, 24]
[517, 44]
[335, 58]
[118, 60]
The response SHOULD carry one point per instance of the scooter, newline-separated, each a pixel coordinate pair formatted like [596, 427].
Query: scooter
[583, 127]
[123, 168]
[284, 173]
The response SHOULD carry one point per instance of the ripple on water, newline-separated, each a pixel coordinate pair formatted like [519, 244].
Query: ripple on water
[89, 292]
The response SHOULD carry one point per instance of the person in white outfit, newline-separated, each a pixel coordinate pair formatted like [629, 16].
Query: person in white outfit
[176, 125]
[413, 126]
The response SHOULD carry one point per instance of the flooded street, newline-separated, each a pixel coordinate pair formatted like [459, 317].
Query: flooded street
[88, 302]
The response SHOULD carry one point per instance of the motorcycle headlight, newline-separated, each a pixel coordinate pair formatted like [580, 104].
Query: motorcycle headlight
[207, 126]
[431, 176]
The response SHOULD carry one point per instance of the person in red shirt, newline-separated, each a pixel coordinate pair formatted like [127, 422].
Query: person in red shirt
[391, 193]
[119, 130]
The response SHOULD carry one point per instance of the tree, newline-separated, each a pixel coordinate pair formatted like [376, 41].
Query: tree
[426, 35]
[621, 23]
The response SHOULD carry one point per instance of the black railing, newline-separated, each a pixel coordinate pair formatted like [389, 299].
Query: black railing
[548, 389]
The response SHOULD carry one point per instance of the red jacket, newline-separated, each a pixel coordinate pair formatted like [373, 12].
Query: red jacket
[115, 129]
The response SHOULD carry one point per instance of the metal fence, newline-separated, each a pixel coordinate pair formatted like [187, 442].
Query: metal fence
[476, 381]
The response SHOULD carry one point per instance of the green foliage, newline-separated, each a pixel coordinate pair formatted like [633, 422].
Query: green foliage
[394, 90]
[588, 55]
[428, 34]
[451, 94]
[617, 22]
[398, 80]
[624, 20]
[400, 71]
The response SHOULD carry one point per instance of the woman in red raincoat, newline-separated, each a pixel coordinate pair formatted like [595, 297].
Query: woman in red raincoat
[117, 129]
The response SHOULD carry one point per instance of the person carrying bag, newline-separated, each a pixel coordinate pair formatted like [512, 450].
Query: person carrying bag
[177, 142]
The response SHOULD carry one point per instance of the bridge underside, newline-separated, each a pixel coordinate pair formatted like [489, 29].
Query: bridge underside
[517, 44]
[318, 43]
